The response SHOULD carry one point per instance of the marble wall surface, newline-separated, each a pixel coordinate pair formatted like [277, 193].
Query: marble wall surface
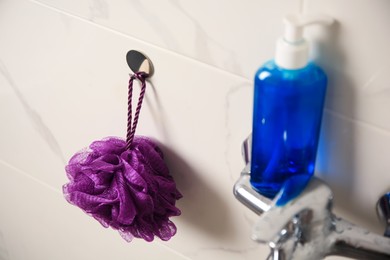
[63, 80]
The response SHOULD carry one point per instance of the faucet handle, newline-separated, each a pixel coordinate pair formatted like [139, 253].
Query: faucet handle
[383, 210]
[316, 199]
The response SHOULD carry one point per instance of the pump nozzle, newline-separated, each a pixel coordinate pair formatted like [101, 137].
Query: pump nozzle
[294, 25]
[292, 50]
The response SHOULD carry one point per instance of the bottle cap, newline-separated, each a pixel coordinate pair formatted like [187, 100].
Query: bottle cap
[292, 50]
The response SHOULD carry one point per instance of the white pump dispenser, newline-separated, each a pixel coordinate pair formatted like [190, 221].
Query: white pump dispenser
[292, 50]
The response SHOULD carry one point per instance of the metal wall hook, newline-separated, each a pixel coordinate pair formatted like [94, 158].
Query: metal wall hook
[139, 62]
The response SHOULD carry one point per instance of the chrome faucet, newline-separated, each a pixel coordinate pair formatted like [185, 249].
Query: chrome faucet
[305, 228]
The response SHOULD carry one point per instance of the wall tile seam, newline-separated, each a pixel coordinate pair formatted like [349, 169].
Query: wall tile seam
[52, 189]
[359, 122]
[189, 59]
[29, 176]
[161, 244]
[304, 6]
[335, 114]
[149, 44]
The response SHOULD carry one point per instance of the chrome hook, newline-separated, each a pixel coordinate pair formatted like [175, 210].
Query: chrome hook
[139, 62]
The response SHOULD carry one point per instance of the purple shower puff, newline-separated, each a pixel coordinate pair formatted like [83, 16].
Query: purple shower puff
[128, 190]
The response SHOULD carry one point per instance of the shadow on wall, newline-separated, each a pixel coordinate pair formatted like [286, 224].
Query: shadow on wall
[201, 206]
[336, 160]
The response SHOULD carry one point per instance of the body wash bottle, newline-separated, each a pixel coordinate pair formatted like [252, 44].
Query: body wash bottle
[289, 98]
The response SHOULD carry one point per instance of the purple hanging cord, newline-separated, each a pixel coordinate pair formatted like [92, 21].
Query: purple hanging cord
[125, 185]
[141, 76]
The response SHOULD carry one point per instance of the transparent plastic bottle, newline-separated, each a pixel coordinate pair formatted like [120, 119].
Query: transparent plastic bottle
[288, 103]
[287, 114]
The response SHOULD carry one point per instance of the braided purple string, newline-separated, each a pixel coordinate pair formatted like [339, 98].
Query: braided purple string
[131, 127]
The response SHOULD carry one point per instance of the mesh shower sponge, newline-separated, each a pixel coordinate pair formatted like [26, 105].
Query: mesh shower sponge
[129, 190]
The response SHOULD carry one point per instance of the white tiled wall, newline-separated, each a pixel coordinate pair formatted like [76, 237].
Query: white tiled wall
[63, 80]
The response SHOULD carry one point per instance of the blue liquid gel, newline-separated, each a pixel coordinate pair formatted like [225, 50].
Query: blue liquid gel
[287, 114]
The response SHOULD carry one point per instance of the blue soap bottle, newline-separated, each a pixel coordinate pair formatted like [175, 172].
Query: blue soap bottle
[289, 96]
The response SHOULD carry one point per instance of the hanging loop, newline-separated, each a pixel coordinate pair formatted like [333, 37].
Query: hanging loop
[132, 126]
[143, 68]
